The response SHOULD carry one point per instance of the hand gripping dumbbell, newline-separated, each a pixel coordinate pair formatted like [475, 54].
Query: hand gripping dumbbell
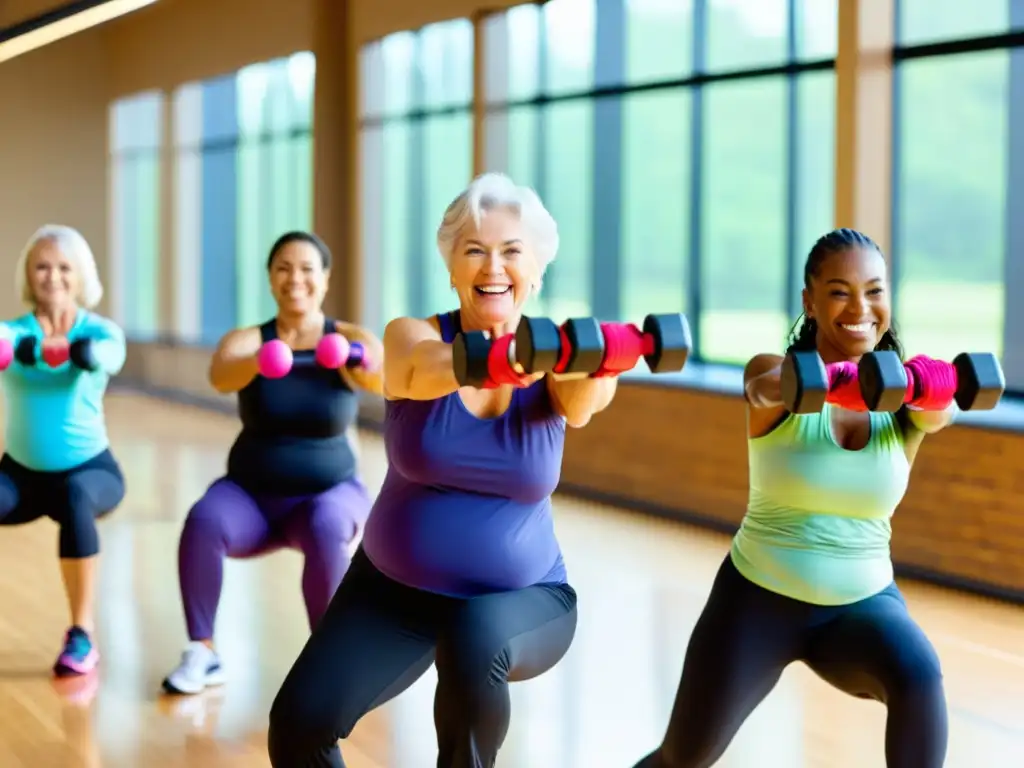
[537, 347]
[53, 352]
[480, 361]
[587, 346]
[804, 382]
[276, 359]
[807, 383]
[888, 383]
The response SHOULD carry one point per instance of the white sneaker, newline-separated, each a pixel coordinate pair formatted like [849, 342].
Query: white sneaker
[199, 669]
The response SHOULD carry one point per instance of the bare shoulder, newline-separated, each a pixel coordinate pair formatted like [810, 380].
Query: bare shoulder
[761, 364]
[408, 331]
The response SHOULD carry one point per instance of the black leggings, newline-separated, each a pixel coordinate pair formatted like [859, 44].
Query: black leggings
[747, 636]
[74, 499]
[378, 637]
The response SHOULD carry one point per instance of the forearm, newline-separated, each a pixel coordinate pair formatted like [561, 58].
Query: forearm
[931, 422]
[233, 374]
[580, 398]
[370, 380]
[430, 375]
[109, 355]
[765, 391]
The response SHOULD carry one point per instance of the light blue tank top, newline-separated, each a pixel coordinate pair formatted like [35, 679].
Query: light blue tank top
[817, 527]
[54, 416]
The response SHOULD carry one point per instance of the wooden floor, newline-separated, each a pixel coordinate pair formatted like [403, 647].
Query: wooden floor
[642, 583]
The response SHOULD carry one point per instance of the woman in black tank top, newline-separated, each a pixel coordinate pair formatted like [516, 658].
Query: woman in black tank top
[292, 478]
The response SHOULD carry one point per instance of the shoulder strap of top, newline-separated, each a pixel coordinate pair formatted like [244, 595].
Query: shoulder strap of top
[268, 331]
[330, 325]
[451, 325]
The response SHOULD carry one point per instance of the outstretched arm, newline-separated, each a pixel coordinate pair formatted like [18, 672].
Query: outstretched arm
[107, 346]
[578, 399]
[417, 363]
[234, 362]
[371, 378]
[930, 422]
[762, 388]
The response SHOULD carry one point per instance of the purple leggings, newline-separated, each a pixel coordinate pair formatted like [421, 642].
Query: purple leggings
[230, 522]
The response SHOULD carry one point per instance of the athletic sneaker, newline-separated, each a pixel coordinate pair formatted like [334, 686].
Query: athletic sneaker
[79, 656]
[200, 668]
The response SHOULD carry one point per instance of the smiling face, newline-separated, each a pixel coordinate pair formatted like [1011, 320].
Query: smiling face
[298, 279]
[849, 300]
[52, 277]
[493, 269]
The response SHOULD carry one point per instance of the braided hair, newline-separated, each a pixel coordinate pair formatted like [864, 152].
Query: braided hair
[803, 335]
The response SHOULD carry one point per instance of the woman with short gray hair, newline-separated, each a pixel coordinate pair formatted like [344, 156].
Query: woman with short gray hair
[459, 564]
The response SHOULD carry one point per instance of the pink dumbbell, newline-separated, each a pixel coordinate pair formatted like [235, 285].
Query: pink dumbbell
[276, 358]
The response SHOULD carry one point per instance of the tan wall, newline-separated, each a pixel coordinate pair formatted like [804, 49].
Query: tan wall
[53, 146]
[675, 451]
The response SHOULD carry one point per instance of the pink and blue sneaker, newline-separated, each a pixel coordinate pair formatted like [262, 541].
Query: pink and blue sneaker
[79, 656]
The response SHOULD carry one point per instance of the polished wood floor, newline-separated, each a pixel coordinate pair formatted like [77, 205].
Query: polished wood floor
[642, 584]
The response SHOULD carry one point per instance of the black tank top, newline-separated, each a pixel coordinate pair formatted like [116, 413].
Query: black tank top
[293, 440]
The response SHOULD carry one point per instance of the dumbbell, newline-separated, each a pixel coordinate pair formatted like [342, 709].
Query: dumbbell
[276, 359]
[804, 382]
[29, 349]
[664, 342]
[576, 347]
[540, 351]
[886, 387]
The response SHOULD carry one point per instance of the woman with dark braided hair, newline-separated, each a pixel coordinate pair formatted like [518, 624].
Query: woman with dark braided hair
[809, 577]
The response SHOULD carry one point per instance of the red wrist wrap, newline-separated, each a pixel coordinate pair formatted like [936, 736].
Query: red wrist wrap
[624, 345]
[499, 368]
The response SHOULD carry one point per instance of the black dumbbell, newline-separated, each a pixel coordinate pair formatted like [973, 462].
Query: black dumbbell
[539, 345]
[804, 382]
[537, 348]
[672, 342]
[470, 351]
[885, 385]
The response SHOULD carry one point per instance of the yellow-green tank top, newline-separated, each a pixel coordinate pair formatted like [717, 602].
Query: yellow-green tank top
[817, 527]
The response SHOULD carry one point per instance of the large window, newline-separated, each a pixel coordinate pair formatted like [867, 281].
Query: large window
[244, 176]
[416, 155]
[136, 139]
[959, 179]
[684, 147]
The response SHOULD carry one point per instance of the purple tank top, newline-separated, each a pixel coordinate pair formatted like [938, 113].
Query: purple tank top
[465, 508]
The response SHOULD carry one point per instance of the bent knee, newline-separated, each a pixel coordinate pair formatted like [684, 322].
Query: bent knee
[92, 495]
[206, 519]
[921, 676]
[472, 655]
[298, 731]
[331, 525]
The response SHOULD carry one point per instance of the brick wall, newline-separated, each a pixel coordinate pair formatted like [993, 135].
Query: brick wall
[683, 452]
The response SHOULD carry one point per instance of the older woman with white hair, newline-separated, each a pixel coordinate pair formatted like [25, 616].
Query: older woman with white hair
[459, 564]
[56, 362]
